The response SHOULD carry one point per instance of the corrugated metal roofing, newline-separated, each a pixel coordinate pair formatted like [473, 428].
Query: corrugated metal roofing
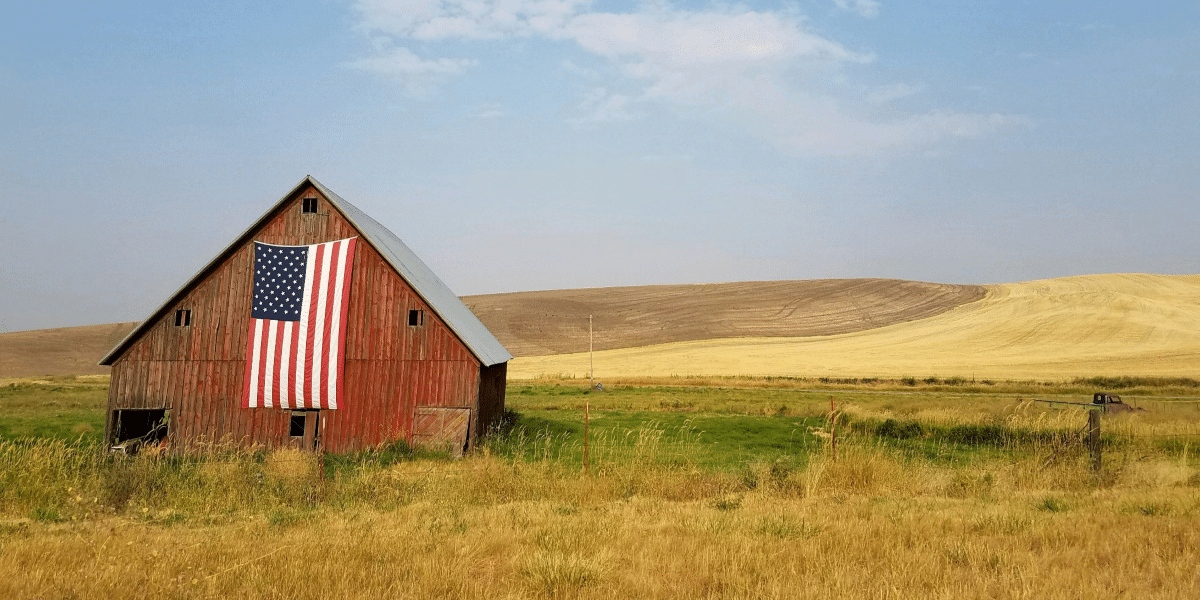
[441, 300]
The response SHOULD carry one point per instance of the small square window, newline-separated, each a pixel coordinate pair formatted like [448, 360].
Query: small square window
[299, 422]
[310, 205]
[183, 318]
[416, 318]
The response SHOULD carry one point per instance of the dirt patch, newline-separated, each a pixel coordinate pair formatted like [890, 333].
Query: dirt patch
[556, 321]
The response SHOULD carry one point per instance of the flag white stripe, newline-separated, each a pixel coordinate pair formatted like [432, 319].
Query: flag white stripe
[305, 306]
[285, 368]
[269, 380]
[254, 374]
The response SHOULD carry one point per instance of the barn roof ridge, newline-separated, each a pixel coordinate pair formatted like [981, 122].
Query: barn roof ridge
[444, 302]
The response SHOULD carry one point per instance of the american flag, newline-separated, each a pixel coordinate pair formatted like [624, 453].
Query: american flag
[298, 325]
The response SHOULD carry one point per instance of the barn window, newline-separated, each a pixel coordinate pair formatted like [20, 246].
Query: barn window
[299, 417]
[310, 205]
[416, 318]
[183, 318]
[297, 429]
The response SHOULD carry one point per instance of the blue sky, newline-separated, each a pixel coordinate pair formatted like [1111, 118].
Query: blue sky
[539, 144]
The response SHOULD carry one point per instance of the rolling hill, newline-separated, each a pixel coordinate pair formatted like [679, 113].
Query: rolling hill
[1143, 325]
[556, 321]
[60, 351]
[1078, 326]
[552, 322]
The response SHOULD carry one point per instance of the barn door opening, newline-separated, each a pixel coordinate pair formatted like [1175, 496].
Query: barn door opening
[305, 428]
[134, 428]
[442, 428]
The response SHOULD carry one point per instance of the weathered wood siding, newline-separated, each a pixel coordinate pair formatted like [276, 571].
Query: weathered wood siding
[391, 367]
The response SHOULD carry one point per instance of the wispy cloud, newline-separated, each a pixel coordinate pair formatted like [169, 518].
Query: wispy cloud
[601, 106]
[864, 8]
[763, 69]
[419, 77]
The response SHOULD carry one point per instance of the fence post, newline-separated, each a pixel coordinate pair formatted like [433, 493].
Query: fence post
[586, 418]
[833, 428]
[1094, 438]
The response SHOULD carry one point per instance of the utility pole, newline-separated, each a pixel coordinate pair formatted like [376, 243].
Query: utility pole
[591, 362]
[586, 405]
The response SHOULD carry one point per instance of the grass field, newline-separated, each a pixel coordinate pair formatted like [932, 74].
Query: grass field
[711, 469]
[1059, 329]
[701, 489]
[58, 407]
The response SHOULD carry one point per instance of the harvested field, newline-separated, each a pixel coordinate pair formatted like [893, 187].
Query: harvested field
[553, 322]
[60, 351]
[556, 321]
[1098, 325]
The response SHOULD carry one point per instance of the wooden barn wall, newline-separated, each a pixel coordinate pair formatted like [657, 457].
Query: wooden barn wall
[390, 367]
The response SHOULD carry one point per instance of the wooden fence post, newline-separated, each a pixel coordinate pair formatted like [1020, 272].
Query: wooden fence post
[833, 428]
[1094, 438]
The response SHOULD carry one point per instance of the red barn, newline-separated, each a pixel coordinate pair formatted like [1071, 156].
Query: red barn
[414, 363]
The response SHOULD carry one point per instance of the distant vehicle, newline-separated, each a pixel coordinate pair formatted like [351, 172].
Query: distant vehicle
[1111, 403]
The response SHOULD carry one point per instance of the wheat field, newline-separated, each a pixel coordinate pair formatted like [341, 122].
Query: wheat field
[1096, 325]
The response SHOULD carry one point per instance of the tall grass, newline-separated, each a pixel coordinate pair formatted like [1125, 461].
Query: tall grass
[513, 521]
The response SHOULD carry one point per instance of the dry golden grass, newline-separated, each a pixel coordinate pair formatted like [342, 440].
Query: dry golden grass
[1046, 330]
[865, 526]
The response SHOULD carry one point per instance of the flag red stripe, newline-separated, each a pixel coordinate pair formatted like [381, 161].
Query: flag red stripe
[277, 351]
[297, 363]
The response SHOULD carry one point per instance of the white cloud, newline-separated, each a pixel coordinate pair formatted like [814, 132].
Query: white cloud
[682, 39]
[420, 77]
[864, 8]
[432, 20]
[696, 57]
[762, 69]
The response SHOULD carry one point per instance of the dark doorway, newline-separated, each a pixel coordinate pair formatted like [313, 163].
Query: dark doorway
[134, 428]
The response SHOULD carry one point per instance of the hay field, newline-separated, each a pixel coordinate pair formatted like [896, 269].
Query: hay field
[1117, 324]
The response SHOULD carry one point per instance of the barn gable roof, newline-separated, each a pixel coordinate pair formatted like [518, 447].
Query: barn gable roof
[427, 285]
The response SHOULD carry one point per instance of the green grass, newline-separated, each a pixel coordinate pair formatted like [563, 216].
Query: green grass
[712, 441]
[713, 428]
[59, 407]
